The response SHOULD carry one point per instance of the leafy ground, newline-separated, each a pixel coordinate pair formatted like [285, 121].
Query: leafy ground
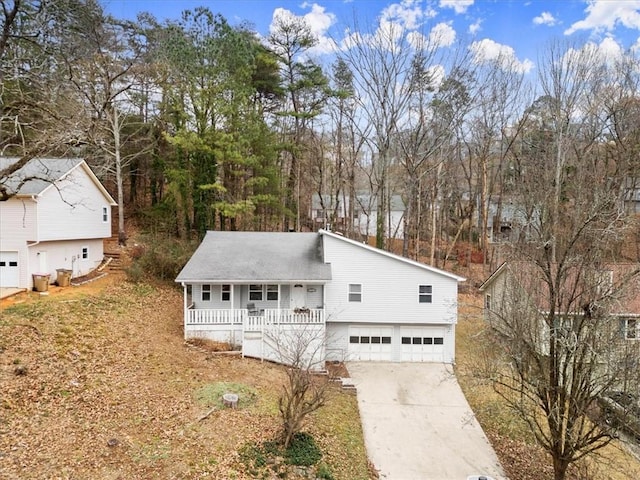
[520, 457]
[97, 383]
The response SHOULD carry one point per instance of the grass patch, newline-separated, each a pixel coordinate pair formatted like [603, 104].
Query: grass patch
[210, 395]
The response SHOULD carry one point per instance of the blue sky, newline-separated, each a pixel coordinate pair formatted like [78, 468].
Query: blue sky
[516, 28]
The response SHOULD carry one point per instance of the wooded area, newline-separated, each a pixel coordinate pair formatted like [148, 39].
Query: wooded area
[195, 124]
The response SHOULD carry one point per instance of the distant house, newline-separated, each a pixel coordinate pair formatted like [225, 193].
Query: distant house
[361, 303]
[57, 218]
[326, 212]
[632, 196]
[518, 289]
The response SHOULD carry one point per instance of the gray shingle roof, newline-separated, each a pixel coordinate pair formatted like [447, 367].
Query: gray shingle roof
[257, 257]
[38, 172]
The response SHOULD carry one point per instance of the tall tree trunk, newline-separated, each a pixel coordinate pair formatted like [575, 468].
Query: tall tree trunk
[122, 234]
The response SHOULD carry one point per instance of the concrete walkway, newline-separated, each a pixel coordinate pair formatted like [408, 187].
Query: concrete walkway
[418, 425]
[6, 292]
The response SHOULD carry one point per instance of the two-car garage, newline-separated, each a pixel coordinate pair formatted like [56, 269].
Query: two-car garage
[404, 343]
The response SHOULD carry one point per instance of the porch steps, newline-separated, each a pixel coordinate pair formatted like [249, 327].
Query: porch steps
[113, 261]
[348, 385]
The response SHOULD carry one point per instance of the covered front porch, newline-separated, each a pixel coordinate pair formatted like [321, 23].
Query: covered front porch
[228, 312]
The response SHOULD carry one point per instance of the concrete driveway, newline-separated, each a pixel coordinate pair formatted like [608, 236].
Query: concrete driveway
[418, 425]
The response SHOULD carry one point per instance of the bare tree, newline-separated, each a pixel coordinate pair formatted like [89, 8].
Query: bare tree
[381, 61]
[39, 113]
[106, 77]
[300, 347]
[558, 311]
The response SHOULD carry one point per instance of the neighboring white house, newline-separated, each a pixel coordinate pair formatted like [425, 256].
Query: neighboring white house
[57, 218]
[362, 303]
[325, 210]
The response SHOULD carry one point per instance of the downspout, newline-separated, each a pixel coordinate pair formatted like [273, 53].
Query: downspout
[37, 242]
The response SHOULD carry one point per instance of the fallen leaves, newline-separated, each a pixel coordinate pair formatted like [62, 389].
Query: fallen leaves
[109, 392]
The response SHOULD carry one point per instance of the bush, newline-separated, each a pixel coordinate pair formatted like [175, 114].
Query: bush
[303, 451]
[160, 257]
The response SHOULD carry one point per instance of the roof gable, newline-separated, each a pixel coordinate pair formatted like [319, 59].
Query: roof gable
[393, 256]
[40, 174]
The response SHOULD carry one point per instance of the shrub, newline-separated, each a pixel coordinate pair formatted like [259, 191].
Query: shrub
[160, 257]
[303, 450]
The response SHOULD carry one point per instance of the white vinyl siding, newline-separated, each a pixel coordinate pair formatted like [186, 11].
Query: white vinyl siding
[72, 209]
[389, 285]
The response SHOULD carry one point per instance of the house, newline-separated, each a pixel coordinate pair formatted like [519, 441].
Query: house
[359, 302]
[517, 288]
[325, 210]
[57, 218]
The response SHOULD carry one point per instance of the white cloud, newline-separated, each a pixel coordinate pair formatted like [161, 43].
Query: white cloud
[319, 22]
[408, 13]
[459, 6]
[545, 18]
[487, 50]
[606, 14]
[606, 52]
[475, 27]
[442, 35]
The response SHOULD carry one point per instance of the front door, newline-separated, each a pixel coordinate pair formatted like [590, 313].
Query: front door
[298, 296]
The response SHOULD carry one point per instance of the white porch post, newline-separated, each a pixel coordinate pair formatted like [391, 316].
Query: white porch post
[232, 287]
[184, 307]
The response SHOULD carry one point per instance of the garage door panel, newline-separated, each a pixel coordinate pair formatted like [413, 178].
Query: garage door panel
[422, 344]
[370, 343]
[9, 269]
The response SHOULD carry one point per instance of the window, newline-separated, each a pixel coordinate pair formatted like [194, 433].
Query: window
[272, 292]
[424, 293]
[377, 340]
[85, 253]
[255, 292]
[226, 293]
[206, 293]
[355, 292]
[631, 328]
[487, 302]
[105, 214]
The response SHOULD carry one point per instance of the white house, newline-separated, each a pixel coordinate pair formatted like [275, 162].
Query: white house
[57, 218]
[362, 303]
[325, 210]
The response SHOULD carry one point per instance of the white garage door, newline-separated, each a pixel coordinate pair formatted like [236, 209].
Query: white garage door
[422, 344]
[9, 272]
[370, 343]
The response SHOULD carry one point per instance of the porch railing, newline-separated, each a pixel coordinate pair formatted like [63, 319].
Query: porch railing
[269, 316]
